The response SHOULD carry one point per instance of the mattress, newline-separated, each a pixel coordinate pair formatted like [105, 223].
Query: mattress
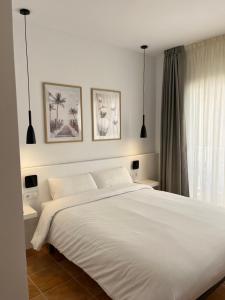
[138, 243]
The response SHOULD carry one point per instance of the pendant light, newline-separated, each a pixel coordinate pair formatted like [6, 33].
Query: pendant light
[30, 130]
[143, 128]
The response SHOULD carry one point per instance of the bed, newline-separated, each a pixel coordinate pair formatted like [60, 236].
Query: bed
[138, 243]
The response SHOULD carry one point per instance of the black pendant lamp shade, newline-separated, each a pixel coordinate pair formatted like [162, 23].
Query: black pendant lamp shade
[30, 130]
[143, 128]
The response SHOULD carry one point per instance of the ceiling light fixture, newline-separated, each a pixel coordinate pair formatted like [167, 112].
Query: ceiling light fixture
[30, 130]
[143, 128]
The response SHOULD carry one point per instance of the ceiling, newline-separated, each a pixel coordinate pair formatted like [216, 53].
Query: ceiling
[129, 23]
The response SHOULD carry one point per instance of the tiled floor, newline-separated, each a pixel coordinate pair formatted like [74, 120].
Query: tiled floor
[53, 277]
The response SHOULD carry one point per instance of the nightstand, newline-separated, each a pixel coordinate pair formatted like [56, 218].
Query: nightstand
[154, 184]
[29, 212]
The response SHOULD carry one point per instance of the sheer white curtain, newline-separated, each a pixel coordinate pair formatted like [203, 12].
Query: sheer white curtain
[205, 118]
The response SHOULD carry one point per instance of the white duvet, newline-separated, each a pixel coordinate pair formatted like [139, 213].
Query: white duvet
[138, 243]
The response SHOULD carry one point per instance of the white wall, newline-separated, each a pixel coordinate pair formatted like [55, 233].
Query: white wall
[62, 58]
[12, 250]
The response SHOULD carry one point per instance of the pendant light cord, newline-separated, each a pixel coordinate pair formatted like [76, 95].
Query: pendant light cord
[28, 75]
[144, 85]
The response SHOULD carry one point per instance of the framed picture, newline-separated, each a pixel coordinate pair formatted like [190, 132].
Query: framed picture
[63, 113]
[106, 114]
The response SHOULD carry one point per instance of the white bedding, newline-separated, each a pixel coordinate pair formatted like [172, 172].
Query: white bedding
[138, 243]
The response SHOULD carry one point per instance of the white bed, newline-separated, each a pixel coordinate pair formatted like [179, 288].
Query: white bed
[138, 243]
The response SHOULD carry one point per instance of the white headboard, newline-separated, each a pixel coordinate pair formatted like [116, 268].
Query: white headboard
[148, 169]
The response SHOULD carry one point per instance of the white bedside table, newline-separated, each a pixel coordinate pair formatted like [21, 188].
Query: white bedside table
[154, 184]
[29, 212]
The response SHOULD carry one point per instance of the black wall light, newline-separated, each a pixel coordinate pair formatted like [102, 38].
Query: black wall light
[31, 181]
[135, 165]
[30, 130]
[143, 128]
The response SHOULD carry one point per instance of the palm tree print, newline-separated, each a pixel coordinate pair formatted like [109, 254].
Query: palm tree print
[74, 123]
[57, 100]
[73, 112]
[51, 107]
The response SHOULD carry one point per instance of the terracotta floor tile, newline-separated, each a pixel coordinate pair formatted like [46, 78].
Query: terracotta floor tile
[36, 263]
[40, 297]
[30, 252]
[88, 283]
[221, 290]
[103, 296]
[70, 290]
[33, 291]
[71, 268]
[215, 296]
[58, 256]
[49, 278]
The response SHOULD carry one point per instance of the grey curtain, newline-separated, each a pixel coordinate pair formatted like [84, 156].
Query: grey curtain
[173, 153]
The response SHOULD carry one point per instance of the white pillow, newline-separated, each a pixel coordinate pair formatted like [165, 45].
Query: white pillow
[112, 177]
[65, 186]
